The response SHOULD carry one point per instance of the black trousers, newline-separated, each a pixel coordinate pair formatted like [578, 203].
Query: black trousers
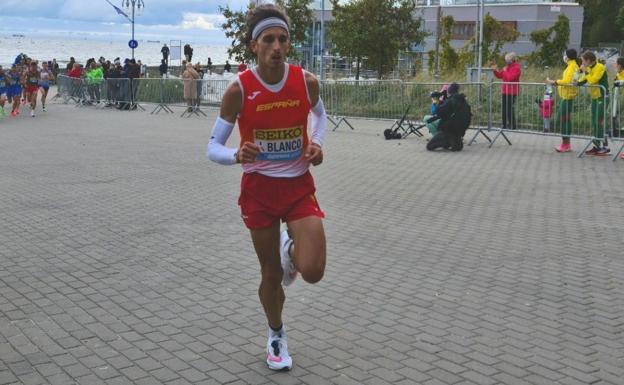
[509, 115]
[447, 141]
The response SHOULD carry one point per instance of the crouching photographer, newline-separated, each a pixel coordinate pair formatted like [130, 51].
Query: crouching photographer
[454, 119]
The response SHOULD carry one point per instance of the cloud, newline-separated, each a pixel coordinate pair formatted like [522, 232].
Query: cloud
[156, 11]
[202, 21]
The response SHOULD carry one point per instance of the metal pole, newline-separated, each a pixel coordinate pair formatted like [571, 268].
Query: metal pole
[436, 69]
[476, 47]
[480, 61]
[322, 38]
[133, 2]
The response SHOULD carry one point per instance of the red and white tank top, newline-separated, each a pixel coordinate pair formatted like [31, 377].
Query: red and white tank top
[276, 120]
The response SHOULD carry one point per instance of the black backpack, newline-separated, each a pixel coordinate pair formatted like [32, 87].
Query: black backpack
[460, 119]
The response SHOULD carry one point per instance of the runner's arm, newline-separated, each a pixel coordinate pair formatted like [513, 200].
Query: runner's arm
[230, 107]
[319, 117]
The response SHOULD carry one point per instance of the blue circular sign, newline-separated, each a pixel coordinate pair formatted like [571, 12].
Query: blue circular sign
[133, 44]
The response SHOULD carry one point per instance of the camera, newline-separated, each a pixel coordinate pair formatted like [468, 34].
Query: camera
[437, 94]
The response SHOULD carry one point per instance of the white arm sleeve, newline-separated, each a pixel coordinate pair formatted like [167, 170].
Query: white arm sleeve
[216, 151]
[319, 123]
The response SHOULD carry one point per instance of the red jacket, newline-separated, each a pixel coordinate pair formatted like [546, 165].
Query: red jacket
[510, 74]
[546, 107]
[75, 73]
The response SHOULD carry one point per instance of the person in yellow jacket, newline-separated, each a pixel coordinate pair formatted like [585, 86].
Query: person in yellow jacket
[567, 91]
[595, 73]
[618, 85]
[617, 89]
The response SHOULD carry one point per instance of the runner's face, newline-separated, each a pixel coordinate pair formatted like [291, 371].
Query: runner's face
[271, 47]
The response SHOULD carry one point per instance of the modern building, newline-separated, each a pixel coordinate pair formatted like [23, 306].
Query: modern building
[525, 16]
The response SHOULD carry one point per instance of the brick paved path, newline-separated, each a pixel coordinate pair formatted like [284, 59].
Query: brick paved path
[123, 261]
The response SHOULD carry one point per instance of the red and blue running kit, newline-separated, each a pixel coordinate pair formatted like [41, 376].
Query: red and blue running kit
[278, 184]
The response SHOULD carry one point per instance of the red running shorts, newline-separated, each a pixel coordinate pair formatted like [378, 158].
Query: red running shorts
[264, 199]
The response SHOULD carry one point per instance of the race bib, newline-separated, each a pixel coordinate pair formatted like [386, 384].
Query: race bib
[279, 144]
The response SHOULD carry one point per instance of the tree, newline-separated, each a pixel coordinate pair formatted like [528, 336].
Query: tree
[235, 27]
[495, 35]
[600, 17]
[345, 32]
[301, 18]
[375, 31]
[550, 42]
[448, 55]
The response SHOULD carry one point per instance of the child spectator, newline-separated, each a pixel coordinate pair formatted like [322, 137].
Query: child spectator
[437, 97]
[546, 107]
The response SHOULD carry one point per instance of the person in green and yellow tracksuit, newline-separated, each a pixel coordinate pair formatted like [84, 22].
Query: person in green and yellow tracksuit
[617, 89]
[567, 91]
[595, 73]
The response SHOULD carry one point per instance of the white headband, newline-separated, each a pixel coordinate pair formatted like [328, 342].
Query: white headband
[268, 23]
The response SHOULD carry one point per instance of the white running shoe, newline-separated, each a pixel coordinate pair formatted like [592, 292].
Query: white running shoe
[277, 351]
[32, 113]
[289, 271]
[44, 109]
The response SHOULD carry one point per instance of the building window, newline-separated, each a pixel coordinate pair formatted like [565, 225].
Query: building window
[463, 30]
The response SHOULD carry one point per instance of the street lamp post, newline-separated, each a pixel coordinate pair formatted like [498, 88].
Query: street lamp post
[128, 5]
[322, 38]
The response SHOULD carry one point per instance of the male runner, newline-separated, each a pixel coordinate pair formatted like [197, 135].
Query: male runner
[272, 102]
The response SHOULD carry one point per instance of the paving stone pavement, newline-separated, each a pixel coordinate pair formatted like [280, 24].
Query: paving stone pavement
[123, 260]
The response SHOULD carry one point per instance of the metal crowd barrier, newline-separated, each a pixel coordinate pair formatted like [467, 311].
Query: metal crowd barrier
[384, 100]
[393, 100]
[131, 93]
[615, 111]
[120, 93]
[524, 113]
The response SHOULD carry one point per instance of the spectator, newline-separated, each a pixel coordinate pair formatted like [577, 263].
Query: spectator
[227, 67]
[134, 73]
[183, 67]
[242, 67]
[567, 92]
[437, 98]
[617, 84]
[188, 53]
[454, 116]
[55, 69]
[75, 73]
[209, 66]
[70, 64]
[163, 68]
[594, 73]
[165, 53]
[200, 76]
[546, 107]
[510, 74]
[142, 69]
[94, 80]
[112, 90]
[190, 77]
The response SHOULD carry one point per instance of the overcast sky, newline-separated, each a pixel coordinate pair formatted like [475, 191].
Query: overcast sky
[197, 20]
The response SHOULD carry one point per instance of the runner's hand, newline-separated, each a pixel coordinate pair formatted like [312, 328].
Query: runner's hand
[314, 154]
[247, 152]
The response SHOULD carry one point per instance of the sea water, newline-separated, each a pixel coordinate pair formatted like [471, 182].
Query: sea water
[83, 48]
